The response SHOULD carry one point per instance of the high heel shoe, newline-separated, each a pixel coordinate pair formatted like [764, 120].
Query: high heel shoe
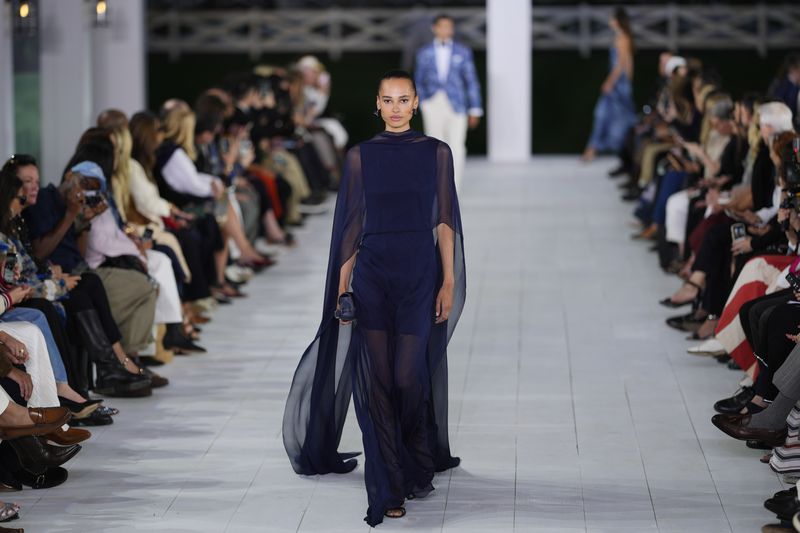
[669, 302]
[175, 340]
[98, 418]
[80, 410]
[35, 456]
[156, 381]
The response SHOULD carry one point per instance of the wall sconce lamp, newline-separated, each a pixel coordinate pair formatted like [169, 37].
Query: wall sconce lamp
[101, 13]
[23, 17]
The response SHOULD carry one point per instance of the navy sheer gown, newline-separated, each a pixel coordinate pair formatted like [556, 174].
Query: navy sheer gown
[397, 189]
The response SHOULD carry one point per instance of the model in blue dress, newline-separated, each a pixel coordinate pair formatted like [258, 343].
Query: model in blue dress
[614, 113]
[397, 244]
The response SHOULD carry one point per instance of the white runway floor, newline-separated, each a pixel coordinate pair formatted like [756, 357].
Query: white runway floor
[573, 407]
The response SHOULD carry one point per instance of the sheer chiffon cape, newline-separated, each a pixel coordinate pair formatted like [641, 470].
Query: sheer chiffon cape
[320, 393]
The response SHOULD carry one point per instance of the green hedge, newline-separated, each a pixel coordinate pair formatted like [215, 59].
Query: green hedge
[565, 86]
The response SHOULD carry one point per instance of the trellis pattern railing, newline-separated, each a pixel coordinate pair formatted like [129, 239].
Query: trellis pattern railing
[335, 31]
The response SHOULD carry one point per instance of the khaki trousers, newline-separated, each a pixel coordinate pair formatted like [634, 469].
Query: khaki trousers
[132, 299]
[446, 125]
[650, 154]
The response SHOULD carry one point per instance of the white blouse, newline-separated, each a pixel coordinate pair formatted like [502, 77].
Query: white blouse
[145, 195]
[181, 174]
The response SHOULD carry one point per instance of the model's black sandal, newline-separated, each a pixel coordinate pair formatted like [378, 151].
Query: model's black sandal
[398, 512]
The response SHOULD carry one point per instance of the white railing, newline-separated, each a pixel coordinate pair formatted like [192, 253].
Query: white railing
[583, 27]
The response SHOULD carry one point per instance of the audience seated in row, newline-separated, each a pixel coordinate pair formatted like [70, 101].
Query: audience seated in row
[110, 269]
[717, 182]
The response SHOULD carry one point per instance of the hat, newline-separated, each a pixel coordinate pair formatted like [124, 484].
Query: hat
[89, 169]
[673, 63]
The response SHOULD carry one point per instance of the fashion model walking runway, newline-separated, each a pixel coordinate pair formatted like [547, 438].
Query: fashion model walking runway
[397, 241]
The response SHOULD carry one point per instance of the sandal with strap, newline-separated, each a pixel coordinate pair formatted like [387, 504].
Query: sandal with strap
[9, 512]
[398, 512]
[668, 302]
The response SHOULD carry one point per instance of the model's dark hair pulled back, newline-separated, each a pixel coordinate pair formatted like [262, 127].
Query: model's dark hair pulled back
[396, 74]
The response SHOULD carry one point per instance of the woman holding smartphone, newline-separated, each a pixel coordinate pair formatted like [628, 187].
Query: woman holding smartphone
[397, 242]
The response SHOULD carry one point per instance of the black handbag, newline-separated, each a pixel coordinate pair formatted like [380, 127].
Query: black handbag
[346, 310]
[126, 262]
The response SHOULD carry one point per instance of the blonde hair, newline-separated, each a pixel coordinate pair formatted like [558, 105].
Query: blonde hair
[117, 122]
[178, 124]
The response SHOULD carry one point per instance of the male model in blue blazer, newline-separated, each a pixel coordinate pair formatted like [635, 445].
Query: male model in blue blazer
[449, 91]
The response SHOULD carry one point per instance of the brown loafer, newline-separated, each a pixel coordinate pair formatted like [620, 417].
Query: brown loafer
[48, 415]
[736, 426]
[68, 437]
[46, 420]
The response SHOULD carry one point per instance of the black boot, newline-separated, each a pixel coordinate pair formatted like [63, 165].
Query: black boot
[80, 376]
[112, 377]
[35, 456]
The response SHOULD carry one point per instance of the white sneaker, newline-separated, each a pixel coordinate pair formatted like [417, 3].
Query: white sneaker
[712, 348]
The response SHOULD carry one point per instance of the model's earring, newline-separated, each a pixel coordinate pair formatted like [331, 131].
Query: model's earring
[377, 112]
[415, 112]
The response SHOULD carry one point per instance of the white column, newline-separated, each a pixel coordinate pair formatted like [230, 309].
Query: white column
[65, 81]
[119, 71]
[6, 84]
[508, 51]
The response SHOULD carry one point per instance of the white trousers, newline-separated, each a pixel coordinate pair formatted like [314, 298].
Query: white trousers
[168, 302]
[446, 125]
[44, 393]
[677, 217]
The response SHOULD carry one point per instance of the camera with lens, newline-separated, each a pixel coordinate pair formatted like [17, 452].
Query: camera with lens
[93, 198]
[790, 170]
[791, 165]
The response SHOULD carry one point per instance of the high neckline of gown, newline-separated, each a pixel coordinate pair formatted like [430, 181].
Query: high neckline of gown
[399, 134]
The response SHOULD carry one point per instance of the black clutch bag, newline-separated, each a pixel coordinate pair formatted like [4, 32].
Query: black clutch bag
[347, 309]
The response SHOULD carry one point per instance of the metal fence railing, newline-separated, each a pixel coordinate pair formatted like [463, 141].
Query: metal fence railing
[583, 27]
